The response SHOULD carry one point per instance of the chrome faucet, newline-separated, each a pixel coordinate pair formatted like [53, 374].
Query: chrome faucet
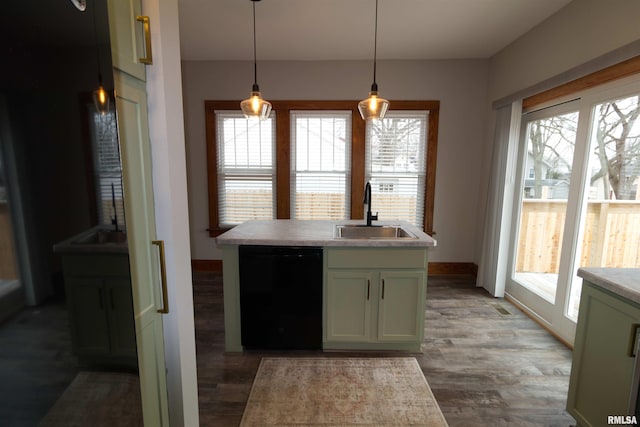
[367, 201]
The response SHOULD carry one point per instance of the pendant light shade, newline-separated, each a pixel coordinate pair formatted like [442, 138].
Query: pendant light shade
[374, 107]
[101, 98]
[255, 106]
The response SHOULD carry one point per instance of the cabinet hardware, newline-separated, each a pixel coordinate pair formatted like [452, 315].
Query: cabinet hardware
[148, 58]
[368, 289]
[382, 288]
[633, 338]
[163, 277]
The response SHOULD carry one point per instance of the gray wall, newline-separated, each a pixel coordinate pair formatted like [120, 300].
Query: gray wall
[459, 85]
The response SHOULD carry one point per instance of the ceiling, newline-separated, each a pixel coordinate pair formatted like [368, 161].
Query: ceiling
[344, 29]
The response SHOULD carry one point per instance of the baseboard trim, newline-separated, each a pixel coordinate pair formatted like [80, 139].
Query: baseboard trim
[207, 265]
[435, 268]
[452, 268]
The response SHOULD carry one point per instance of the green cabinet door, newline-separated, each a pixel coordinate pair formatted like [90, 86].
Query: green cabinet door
[88, 312]
[602, 369]
[348, 306]
[401, 306]
[122, 329]
[127, 37]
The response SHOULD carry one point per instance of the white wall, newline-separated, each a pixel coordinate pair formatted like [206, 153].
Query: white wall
[578, 33]
[459, 85]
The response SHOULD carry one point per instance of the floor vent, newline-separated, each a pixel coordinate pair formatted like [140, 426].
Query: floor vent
[503, 311]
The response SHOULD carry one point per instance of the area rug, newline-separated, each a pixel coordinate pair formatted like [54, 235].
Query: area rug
[98, 399]
[314, 392]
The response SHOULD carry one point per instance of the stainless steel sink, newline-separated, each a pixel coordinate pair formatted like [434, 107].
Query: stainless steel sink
[357, 231]
[102, 237]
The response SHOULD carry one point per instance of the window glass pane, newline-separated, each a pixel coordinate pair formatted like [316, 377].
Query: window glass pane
[611, 224]
[395, 165]
[245, 153]
[550, 144]
[107, 168]
[320, 160]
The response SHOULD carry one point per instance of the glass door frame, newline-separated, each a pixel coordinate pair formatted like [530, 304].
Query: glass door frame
[554, 315]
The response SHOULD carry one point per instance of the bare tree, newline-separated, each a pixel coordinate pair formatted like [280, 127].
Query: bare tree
[616, 146]
[394, 141]
[551, 141]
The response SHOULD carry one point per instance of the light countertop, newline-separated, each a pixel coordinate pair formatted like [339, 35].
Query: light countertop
[286, 232]
[621, 281]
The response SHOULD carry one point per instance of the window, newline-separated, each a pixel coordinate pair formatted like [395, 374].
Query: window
[245, 168]
[107, 168]
[308, 161]
[320, 164]
[396, 165]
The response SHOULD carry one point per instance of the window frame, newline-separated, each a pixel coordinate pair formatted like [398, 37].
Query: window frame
[283, 154]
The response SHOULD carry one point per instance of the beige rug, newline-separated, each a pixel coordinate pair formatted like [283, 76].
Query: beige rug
[98, 399]
[306, 392]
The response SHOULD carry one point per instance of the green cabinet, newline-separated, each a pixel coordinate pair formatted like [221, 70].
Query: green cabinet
[603, 357]
[374, 298]
[128, 30]
[100, 307]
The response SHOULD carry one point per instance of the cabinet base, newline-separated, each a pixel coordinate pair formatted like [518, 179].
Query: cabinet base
[405, 347]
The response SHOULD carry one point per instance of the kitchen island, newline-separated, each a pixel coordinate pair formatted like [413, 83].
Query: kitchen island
[605, 373]
[373, 288]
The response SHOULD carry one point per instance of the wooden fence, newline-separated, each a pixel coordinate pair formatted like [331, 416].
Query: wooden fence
[611, 235]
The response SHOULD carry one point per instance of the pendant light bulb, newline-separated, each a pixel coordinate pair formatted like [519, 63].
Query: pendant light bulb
[101, 100]
[255, 106]
[374, 107]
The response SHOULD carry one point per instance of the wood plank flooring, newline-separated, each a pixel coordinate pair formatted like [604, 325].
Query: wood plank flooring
[487, 363]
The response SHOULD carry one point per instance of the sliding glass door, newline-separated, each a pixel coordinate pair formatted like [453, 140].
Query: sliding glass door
[579, 200]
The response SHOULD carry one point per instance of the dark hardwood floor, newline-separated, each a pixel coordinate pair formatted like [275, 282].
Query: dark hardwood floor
[487, 363]
[36, 363]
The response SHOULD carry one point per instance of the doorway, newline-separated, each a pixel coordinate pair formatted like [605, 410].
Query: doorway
[578, 203]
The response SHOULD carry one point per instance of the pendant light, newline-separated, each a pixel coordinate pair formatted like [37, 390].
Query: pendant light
[255, 106]
[100, 95]
[374, 107]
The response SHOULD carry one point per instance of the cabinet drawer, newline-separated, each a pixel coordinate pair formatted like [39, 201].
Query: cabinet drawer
[376, 258]
[96, 265]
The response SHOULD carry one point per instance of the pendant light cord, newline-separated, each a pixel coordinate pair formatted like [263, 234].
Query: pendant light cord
[255, 61]
[375, 48]
[95, 38]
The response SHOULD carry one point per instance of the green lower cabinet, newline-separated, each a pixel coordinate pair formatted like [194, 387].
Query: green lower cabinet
[603, 364]
[101, 310]
[374, 309]
[400, 316]
[348, 306]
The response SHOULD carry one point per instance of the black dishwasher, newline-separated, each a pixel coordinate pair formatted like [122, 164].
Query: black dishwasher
[281, 297]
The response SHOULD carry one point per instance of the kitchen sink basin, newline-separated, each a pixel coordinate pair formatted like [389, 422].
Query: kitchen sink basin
[372, 232]
[102, 237]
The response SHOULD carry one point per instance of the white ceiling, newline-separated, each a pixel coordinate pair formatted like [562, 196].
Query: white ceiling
[344, 29]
